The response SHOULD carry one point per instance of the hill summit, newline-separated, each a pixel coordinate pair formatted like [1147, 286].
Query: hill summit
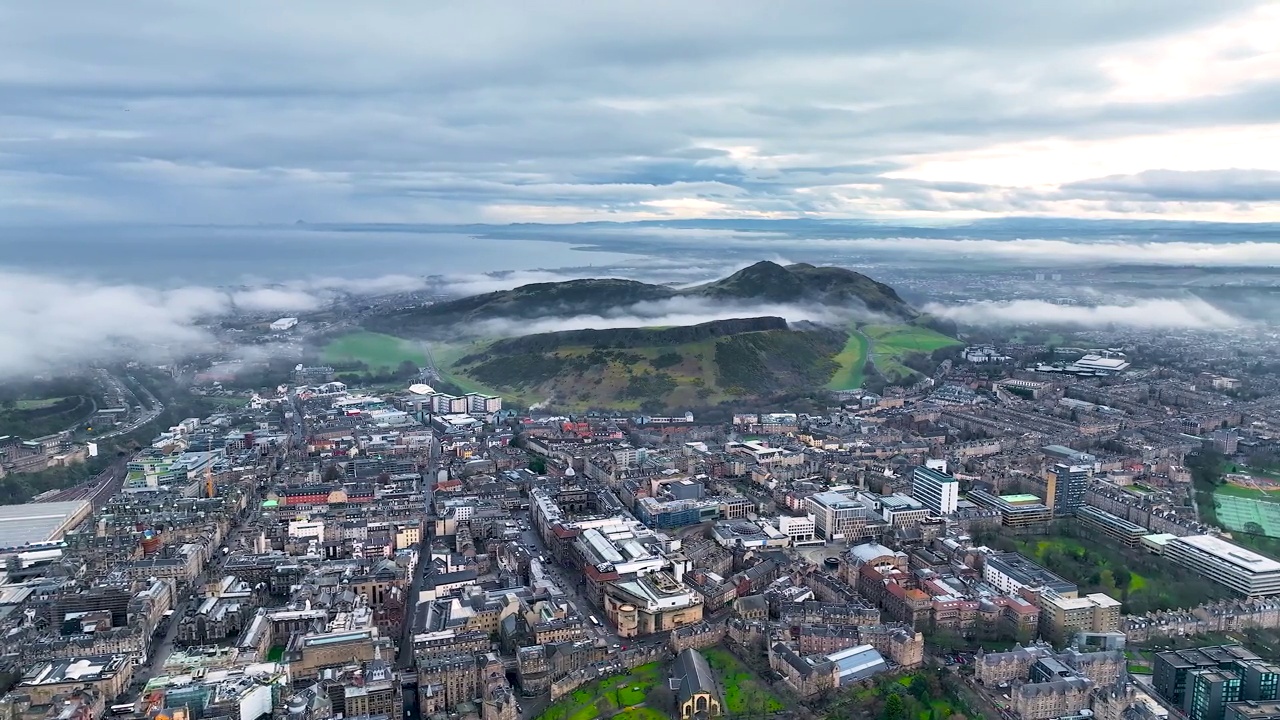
[651, 366]
[771, 282]
[763, 282]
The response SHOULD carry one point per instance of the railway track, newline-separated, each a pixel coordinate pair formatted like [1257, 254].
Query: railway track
[97, 490]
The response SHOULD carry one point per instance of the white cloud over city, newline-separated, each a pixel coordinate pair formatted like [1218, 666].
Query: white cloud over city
[48, 324]
[1152, 313]
[203, 112]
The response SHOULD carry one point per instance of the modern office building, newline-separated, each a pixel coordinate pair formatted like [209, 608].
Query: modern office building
[1208, 693]
[935, 490]
[1017, 511]
[1260, 681]
[1244, 571]
[1011, 572]
[1104, 524]
[1253, 710]
[801, 530]
[836, 516]
[1172, 668]
[902, 510]
[1064, 487]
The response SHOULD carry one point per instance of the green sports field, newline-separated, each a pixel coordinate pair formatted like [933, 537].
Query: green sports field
[1239, 508]
[375, 350]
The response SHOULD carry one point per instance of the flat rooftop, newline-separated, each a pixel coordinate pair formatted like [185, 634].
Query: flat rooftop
[1020, 498]
[1231, 553]
[834, 500]
[76, 669]
[34, 523]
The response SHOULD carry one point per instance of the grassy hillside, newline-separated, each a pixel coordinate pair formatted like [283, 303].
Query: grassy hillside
[892, 345]
[665, 367]
[685, 366]
[888, 347]
[572, 297]
[763, 282]
[638, 370]
[851, 360]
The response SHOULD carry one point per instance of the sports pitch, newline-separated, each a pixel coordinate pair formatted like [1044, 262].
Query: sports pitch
[1235, 511]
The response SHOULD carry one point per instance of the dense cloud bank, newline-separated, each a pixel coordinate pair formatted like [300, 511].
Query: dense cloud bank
[564, 111]
[1153, 313]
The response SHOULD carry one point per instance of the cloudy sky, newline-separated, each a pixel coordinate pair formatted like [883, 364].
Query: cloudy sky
[231, 112]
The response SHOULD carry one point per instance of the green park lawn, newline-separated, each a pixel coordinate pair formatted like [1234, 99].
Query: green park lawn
[374, 350]
[39, 404]
[640, 713]
[1242, 509]
[743, 691]
[606, 697]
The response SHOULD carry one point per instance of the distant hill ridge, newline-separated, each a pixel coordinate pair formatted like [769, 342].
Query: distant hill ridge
[762, 282]
[652, 367]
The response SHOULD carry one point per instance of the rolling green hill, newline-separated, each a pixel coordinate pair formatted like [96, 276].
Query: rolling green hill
[678, 366]
[771, 282]
[763, 282]
[633, 368]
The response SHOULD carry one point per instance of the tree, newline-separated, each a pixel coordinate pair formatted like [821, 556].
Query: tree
[1123, 577]
[332, 473]
[894, 708]
[920, 688]
[538, 464]
[1107, 579]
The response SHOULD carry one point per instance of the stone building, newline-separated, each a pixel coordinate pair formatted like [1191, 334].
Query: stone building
[445, 681]
[1058, 698]
[698, 636]
[107, 674]
[695, 686]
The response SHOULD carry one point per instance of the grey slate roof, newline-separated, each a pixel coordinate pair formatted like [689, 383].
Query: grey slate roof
[693, 674]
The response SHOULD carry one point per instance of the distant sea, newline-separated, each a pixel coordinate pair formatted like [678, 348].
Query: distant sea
[212, 256]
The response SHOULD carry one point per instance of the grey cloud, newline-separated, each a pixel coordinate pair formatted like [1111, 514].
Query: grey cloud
[49, 323]
[1206, 254]
[1229, 185]
[1149, 313]
[426, 112]
[673, 312]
